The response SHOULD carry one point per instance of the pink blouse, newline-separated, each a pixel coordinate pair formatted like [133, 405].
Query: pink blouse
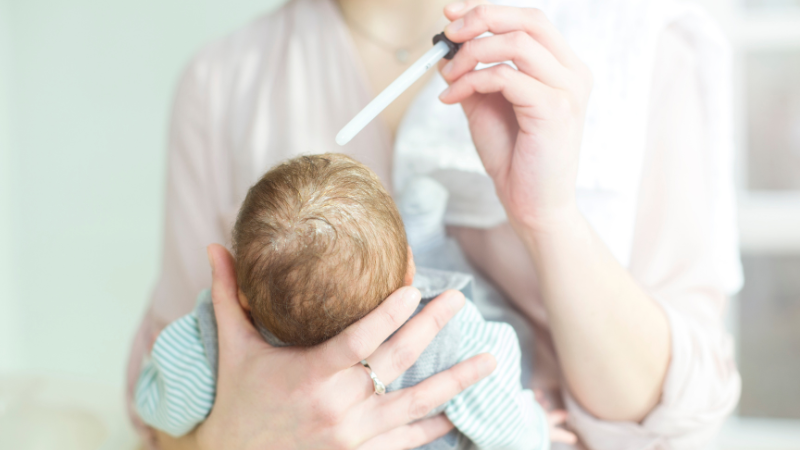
[286, 83]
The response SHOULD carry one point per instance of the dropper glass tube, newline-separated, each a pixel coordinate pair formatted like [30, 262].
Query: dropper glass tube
[442, 48]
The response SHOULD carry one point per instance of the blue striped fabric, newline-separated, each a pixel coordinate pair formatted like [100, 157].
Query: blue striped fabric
[496, 413]
[175, 391]
[176, 388]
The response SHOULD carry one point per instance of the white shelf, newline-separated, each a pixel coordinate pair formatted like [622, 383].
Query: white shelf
[740, 433]
[770, 223]
[767, 30]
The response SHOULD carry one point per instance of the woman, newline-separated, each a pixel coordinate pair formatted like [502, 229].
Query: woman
[609, 223]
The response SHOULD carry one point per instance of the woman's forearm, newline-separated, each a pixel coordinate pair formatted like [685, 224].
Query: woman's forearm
[612, 340]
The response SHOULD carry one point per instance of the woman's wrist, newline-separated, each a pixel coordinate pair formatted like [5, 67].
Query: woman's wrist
[552, 225]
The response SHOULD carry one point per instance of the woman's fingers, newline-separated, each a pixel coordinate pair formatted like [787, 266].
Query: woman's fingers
[455, 10]
[563, 436]
[233, 324]
[411, 404]
[412, 435]
[399, 353]
[477, 18]
[519, 89]
[527, 54]
[360, 339]
[555, 419]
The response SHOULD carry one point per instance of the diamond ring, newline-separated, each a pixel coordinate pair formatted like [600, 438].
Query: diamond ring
[380, 388]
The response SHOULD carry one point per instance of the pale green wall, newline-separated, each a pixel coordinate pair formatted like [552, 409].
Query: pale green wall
[91, 82]
[9, 348]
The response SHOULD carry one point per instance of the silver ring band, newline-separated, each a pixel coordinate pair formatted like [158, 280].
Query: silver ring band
[380, 388]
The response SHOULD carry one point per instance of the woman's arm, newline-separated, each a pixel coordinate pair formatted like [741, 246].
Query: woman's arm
[321, 397]
[612, 340]
[684, 255]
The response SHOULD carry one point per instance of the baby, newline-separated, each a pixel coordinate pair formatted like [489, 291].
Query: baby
[318, 244]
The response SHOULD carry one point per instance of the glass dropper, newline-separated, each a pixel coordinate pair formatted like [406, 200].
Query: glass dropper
[442, 48]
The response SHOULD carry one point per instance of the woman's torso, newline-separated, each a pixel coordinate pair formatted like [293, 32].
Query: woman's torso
[284, 86]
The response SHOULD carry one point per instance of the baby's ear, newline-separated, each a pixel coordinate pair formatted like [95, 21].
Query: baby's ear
[243, 301]
[411, 270]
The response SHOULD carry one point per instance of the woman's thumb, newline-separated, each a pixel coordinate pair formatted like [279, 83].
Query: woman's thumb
[232, 322]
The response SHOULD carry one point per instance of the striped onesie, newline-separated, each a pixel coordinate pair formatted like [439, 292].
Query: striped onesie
[176, 388]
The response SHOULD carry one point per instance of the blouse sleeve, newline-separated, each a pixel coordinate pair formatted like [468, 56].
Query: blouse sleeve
[192, 209]
[683, 257]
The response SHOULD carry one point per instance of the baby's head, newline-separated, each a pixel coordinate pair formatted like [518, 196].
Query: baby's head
[318, 244]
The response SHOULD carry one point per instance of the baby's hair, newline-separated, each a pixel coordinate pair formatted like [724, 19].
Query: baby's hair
[318, 244]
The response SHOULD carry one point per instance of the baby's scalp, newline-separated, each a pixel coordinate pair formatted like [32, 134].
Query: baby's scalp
[319, 243]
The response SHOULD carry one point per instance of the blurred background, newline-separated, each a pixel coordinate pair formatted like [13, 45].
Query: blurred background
[85, 91]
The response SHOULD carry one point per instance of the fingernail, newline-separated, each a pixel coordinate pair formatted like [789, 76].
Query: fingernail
[456, 300]
[487, 364]
[411, 296]
[453, 27]
[444, 93]
[456, 7]
[447, 68]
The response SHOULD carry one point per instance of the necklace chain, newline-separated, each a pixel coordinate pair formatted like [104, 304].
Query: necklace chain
[400, 52]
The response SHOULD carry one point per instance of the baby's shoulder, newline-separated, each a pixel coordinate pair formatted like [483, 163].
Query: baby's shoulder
[432, 282]
[469, 320]
[474, 327]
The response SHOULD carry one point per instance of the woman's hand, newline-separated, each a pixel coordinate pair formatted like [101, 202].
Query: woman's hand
[556, 421]
[321, 397]
[612, 340]
[527, 122]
